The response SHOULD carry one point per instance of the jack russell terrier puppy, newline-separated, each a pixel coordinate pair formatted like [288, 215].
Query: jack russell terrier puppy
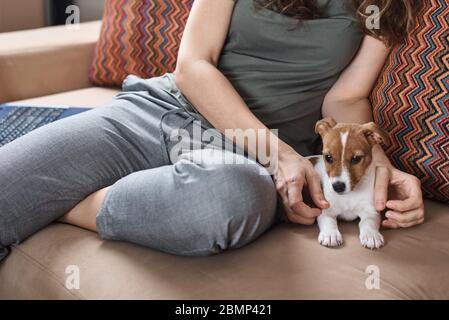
[347, 176]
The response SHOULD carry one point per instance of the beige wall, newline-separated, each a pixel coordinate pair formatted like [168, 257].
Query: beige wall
[21, 14]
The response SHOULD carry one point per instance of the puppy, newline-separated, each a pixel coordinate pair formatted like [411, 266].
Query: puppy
[347, 175]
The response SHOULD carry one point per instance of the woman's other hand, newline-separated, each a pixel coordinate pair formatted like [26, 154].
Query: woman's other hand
[293, 174]
[400, 194]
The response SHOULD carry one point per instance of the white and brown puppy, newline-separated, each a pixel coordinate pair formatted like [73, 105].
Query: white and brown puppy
[347, 174]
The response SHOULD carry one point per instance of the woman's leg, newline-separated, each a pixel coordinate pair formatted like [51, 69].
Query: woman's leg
[219, 194]
[84, 214]
[48, 171]
[190, 208]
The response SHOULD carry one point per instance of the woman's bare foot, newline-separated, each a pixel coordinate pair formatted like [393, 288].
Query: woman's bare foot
[84, 214]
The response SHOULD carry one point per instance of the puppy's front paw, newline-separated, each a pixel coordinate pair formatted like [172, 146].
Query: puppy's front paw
[371, 239]
[331, 238]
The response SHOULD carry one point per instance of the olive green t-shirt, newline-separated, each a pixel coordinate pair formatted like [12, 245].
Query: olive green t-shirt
[283, 69]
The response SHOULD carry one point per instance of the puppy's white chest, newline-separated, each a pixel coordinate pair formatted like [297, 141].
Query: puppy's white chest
[351, 205]
[347, 207]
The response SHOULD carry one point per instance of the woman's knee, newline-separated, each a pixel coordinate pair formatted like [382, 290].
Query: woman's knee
[190, 209]
[247, 205]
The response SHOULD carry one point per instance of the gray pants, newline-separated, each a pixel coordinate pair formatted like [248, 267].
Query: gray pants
[187, 207]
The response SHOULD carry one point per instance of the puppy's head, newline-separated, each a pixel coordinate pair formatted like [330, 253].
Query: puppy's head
[347, 151]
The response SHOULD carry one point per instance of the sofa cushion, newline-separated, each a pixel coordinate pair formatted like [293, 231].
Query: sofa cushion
[46, 60]
[411, 101]
[138, 37]
[88, 98]
[285, 263]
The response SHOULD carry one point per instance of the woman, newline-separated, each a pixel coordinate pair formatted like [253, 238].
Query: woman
[278, 64]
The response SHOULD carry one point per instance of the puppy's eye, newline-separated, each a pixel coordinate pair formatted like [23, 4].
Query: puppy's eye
[329, 158]
[356, 159]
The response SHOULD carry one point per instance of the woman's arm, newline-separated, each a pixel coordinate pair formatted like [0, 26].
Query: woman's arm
[196, 73]
[216, 99]
[348, 101]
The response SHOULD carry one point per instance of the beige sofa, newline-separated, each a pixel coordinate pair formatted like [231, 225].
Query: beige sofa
[49, 66]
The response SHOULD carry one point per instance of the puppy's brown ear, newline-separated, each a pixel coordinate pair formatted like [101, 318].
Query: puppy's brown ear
[324, 125]
[375, 134]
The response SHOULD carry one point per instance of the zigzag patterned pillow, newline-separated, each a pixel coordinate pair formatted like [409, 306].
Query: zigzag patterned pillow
[411, 101]
[139, 37]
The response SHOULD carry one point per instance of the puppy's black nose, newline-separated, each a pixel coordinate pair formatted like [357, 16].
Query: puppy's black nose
[339, 187]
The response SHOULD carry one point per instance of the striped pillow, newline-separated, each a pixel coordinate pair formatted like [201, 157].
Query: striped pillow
[411, 101]
[139, 37]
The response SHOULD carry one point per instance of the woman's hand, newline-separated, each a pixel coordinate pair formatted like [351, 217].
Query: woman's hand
[293, 173]
[399, 193]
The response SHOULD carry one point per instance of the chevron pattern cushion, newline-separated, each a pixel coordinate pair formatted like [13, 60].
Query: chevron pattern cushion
[411, 101]
[139, 37]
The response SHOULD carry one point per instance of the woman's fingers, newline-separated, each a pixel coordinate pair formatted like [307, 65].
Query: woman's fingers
[390, 224]
[295, 208]
[296, 218]
[315, 190]
[305, 211]
[410, 210]
[296, 201]
[291, 215]
[407, 217]
[411, 203]
[381, 187]
[411, 224]
[410, 188]
[291, 186]
[403, 220]
[282, 192]
[294, 192]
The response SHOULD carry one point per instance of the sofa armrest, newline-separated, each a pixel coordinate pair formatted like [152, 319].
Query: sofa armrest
[45, 61]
